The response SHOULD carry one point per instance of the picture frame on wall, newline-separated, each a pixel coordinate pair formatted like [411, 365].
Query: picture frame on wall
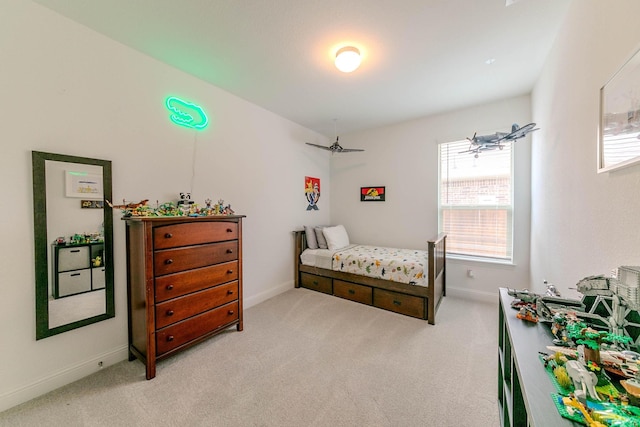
[83, 185]
[372, 194]
[619, 127]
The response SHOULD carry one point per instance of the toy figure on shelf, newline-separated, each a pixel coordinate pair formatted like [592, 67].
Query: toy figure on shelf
[183, 207]
[527, 313]
[132, 209]
[559, 329]
[185, 203]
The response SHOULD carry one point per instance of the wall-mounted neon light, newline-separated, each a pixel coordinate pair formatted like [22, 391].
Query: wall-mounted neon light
[186, 114]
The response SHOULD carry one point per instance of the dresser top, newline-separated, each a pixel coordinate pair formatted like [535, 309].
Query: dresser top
[176, 219]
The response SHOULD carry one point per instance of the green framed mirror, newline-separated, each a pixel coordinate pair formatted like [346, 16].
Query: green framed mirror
[73, 232]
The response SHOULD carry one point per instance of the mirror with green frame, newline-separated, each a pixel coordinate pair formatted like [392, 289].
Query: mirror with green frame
[73, 230]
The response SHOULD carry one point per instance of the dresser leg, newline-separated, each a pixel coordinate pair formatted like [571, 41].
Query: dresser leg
[151, 371]
[239, 326]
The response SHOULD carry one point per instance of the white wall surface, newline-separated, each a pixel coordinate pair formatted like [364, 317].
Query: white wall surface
[404, 159]
[583, 223]
[69, 90]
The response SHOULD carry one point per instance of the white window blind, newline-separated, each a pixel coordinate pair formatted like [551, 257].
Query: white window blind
[476, 201]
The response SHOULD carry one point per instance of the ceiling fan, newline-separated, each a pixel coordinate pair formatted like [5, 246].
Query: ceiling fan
[335, 147]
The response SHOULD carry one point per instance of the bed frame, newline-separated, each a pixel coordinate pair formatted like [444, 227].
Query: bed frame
[416, 301]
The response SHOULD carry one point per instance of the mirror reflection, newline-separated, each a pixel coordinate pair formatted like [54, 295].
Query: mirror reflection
[73, 231]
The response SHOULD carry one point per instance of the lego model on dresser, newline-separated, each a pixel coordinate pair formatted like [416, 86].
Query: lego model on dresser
[184, 282]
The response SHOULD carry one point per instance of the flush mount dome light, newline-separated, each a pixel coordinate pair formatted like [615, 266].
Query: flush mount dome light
[348, 59]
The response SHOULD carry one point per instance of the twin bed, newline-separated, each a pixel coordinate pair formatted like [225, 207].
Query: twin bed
[409, 282]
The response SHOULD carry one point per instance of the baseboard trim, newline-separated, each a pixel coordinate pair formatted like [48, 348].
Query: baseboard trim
[61, 378]
[270, 293]
[471, 294]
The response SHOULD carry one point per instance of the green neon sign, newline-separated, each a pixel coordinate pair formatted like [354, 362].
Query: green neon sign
[186, 114]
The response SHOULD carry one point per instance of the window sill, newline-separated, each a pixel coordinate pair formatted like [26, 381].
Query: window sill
[466, 259]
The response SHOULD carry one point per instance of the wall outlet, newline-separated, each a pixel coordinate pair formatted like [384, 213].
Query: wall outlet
[100, 364]
[471, 274]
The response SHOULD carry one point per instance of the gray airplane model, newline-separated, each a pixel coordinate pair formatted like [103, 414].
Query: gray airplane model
[335, 147]
[498, 139]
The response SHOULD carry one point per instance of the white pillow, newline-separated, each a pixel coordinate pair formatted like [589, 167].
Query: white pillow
[337, 237]
[322, 243]
[312, 242]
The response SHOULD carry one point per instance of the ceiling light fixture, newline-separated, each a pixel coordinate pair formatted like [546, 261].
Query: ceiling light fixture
[348, 59]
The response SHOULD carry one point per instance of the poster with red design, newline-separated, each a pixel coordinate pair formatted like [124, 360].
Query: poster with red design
[372, 194]
[312, 192]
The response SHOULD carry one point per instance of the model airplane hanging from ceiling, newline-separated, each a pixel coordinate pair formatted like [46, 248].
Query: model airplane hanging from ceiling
[335, 147]
[498, 139]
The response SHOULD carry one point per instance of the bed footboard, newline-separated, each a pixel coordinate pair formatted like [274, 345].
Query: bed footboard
[437, 274]
[415, 301]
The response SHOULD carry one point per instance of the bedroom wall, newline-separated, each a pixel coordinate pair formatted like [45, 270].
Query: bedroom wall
[404, 159]
[66, 89]
[583, 223]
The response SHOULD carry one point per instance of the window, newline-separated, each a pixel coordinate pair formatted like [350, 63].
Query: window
[476, 201]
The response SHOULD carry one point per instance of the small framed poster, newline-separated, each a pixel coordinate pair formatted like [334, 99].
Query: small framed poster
[372, 194]
[312, 192]
[84, 185]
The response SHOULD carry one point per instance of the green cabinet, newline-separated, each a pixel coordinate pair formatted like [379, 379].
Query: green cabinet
[524, 388]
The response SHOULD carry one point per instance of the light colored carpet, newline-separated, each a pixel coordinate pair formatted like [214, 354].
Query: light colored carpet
[303, 359]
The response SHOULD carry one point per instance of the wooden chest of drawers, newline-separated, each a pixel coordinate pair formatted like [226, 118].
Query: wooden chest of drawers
[184, 282]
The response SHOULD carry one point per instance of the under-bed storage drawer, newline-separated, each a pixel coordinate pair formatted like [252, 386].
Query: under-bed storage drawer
[317, 283]
[400, 303]
[353, 292]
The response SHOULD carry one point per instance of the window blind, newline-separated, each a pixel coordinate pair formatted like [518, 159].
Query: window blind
[476, 201]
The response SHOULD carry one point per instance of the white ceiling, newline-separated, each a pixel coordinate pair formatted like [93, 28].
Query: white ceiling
[420, 57]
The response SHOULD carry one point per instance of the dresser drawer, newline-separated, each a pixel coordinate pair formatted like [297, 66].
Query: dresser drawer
[180, 259]
[188, 330]
[73, 258]
[177, 309]
[194, 233]
[317, 283]
[400, 303]
[353, 292]
[178, 284]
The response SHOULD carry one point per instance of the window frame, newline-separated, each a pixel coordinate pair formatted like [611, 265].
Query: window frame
[509, 208]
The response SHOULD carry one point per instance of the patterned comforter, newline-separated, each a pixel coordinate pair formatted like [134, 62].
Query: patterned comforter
[398, 265]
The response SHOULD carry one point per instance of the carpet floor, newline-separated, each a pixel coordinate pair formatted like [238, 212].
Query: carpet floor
[303, 359]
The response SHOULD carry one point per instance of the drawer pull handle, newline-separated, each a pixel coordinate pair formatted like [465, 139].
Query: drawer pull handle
[229, 271]
[229, 251]
[170, 338]
[168, 235]
[396, 302]
[229, 230]
[74, 250]
[230, 312]
[229, 292]
[168, 261]
[169, 287]
[315, 283]
[351, 291]
[169, 312]
[75, 274]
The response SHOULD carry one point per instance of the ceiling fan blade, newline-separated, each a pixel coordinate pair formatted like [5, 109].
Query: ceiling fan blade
[347, 150]
[319, 146]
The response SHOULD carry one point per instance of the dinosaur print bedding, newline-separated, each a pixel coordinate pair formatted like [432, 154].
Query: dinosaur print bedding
[398, 265]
